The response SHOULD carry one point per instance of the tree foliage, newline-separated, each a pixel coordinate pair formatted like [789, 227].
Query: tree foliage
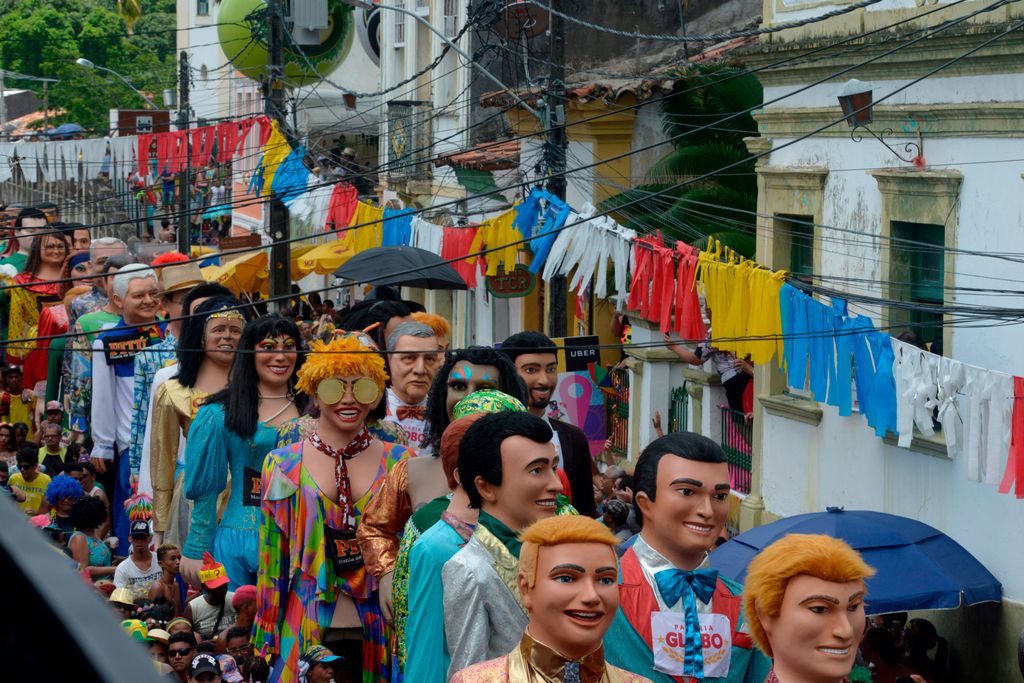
[720, 206]
[45, 37]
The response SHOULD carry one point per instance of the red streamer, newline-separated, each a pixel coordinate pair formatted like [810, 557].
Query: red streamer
[1013, 477]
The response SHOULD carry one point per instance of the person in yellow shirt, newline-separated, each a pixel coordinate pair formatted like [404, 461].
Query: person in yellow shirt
[16, 403]
[30, 481]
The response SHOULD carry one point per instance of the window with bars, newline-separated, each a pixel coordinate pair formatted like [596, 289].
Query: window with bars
[203, 8]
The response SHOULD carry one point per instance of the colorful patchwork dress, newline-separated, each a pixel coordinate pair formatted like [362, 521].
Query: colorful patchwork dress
[298, 585]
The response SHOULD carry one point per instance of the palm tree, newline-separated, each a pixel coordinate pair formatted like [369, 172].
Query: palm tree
[722, 205]
[130, 11]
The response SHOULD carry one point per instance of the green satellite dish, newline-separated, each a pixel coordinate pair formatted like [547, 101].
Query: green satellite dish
[242, 31]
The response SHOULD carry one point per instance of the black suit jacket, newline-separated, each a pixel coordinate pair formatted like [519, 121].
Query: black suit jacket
[576, 463]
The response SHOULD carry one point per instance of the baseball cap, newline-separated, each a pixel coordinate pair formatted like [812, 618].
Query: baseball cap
[140, 527]
[203, 663]
[212, 574]
[54, 405]
[318, 654]
[229, 669]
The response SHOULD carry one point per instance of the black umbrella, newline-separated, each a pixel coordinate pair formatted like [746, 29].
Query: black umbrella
[404, 266]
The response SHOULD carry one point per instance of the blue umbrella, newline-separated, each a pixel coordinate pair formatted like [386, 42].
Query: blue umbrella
[919, 567]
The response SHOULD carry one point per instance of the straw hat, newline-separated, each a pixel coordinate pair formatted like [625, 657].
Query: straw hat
[180, 277]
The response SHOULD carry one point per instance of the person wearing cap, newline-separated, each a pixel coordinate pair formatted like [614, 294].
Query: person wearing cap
[229, 672]
[244, 601]
[139, 571]
[317, 665]
[17, 404]
[212, 611]
[204, 669]
[54, 414]
[121, 600]
[158, 649]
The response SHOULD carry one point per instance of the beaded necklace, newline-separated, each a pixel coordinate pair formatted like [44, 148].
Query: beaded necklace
[356, 446]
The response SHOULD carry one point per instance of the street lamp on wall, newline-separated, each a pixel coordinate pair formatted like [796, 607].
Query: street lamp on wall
[857, 104]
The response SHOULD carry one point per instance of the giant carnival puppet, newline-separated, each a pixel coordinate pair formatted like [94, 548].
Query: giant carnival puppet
[678, 620]
[805, 604]
[231, 435]
[568, 580]
[204, 355]
[313, 586]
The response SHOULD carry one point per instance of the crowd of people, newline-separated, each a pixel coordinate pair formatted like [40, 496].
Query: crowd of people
[340, 495]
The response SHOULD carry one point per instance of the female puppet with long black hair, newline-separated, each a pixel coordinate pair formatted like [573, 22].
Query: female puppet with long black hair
[258, 412]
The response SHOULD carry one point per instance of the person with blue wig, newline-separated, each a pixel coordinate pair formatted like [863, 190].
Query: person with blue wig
[61, 493]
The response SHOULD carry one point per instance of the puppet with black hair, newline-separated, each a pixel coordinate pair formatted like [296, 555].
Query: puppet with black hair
[677, 617]
[204, 353]
[507, 466]
[231, 434]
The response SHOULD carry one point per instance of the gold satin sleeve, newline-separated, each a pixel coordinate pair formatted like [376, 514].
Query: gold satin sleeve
[494, 671]
[163, 447]
[383, 520]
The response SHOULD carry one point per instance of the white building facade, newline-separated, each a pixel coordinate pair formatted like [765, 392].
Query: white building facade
[859, 196]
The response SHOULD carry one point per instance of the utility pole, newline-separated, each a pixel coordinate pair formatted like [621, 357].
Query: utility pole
[3, 106]
[557, 143]
[184, 117]
[46, 106]
[274, 103]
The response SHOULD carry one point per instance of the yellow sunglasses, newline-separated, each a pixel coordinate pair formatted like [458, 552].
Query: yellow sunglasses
[332, 390]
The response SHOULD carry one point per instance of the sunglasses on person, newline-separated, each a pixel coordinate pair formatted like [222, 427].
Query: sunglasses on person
[180, 652]
[332, 390]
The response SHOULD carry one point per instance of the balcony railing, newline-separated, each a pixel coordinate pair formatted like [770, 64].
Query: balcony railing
[617, 413]
[737, 435]
[679, 410]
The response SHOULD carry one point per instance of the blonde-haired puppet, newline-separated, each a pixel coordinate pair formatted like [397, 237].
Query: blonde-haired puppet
[568, 579]
[313, 587]
[805, 606]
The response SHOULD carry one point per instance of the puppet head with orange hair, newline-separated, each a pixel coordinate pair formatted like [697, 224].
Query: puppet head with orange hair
[568, 579]
[824, 559]
[440, 325]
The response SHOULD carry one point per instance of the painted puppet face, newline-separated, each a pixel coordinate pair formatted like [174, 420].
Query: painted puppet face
[465, 378]
[539, 371]
[529, 484]
[412, 366]
[689, 510]
[275, 359]
[819, 626]
[574, 596]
